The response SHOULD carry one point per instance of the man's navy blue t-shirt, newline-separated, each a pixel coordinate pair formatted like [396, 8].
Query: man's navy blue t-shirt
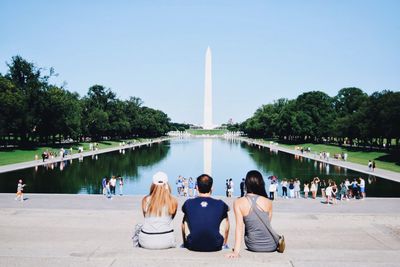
[203, 216]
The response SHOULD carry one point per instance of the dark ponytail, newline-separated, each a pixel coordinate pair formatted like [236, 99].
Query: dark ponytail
[255, 183]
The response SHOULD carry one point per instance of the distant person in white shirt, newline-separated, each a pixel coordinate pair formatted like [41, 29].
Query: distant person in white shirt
[272, 190]
[20, 191]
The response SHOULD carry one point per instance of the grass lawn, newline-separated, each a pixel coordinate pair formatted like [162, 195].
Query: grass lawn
[10, 156]
[206, 132]
[383, 160]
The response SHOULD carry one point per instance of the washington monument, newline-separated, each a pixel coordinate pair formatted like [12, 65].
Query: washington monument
[208, 93]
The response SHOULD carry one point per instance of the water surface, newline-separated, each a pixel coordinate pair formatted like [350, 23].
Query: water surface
[187, 157]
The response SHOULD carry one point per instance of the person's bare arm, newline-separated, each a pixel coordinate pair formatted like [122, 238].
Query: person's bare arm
[183, 229]
[270, 210]
[144, 203]
[238, 230]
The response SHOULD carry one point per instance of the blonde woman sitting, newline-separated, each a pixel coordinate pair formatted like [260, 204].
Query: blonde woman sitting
[159, 209]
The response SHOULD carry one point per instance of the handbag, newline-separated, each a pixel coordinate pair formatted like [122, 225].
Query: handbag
[135, 237]
[280, 243]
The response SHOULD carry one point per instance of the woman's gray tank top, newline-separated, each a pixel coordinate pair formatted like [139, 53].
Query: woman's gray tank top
[256, 237]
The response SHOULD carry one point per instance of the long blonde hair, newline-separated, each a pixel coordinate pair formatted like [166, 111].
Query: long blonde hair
[160, 197]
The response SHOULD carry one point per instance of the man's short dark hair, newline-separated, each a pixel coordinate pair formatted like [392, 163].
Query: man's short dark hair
[204, 183]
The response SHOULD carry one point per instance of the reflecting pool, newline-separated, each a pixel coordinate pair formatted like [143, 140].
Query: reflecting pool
[221, 158]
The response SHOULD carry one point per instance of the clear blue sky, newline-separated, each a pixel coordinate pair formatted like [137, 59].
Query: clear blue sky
[155, 50]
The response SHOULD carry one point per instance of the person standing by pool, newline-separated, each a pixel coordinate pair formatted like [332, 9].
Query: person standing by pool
[323, 185]
[227, 187]
[159, 209]
[343, 191]
[361, 184]
[355, 188]
[20, 191]
[242, 188]
[179, 185]
[108, 188]
[231, 188]
[121, 185]
[328, 193]
[369, 165]
[291, 188]
[284, 188]
[314, 187]
[272, 189]
[185, 187]
[297, 188]
[306, 189]
[191, 187]
[113, 184]
[103, 184]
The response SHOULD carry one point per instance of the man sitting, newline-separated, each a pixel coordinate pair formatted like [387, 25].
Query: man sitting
[205, 225]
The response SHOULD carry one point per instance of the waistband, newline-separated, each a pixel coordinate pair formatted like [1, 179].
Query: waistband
[159, 233]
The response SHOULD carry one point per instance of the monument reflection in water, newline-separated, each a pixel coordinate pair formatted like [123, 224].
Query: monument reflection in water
[221, 158]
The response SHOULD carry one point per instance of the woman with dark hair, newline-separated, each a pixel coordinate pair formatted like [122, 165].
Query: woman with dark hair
[253, 214]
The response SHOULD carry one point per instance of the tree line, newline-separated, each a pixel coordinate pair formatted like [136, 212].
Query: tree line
[34, 111]
[351, 117]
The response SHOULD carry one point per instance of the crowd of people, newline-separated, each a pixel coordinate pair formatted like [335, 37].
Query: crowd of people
[291, 188]
[186, 187]
[205, 225]
[110, 183]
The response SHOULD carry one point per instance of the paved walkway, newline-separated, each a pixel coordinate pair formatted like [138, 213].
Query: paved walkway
[34, 163]
[390, 175]
[90, 230]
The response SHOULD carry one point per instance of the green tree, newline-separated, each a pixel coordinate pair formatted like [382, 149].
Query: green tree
[29, 85]
[349, 105]
[315, 115]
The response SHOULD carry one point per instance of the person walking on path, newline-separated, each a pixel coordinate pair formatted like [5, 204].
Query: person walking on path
[205, 225]
[20, 191]
[373, 165]
[369, 165]
[253, 213]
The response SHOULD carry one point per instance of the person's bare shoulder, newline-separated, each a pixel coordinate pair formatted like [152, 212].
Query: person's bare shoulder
[265, 203]
[242, 204]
